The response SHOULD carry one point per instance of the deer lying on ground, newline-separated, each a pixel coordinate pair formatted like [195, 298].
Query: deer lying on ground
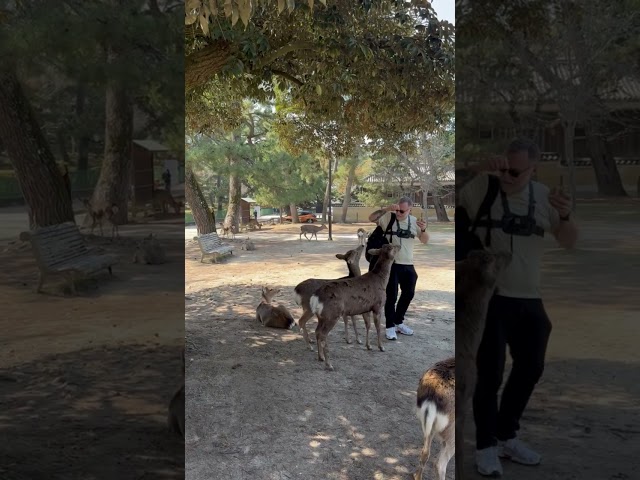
[352, 296]
[273, 316]
[304, 291]
[476, 278]
[311, 229]
[176, 407]
[149, 251]
[362, 236]
[436, 411]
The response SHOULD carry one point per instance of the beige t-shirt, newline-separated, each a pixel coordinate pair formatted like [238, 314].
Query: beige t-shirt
[521, 279]
[405, 255]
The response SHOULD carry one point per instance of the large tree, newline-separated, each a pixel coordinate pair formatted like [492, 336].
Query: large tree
[39, 177]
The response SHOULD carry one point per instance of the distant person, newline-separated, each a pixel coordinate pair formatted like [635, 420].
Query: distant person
[405, 229]
[166, 176]
[255, 214]
[516, 219]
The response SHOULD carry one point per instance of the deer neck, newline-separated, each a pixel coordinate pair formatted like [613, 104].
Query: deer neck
[354, 270]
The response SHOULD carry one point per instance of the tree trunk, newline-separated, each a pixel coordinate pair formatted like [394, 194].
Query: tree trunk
[235, 194]
[441, 212]
[347, 192]
[605, 168]
[35, 168]
[569, 135]
[220, 197]
[82, 138]
[204, 64]
[325, 202]
[113, 183]
[294, 213]
[204, 218]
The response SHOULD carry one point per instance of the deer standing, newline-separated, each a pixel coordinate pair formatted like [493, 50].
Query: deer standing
[310, 229]
[352, 296]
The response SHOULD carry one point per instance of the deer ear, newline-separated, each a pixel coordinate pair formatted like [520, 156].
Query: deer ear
[340, 256]
[373, 251]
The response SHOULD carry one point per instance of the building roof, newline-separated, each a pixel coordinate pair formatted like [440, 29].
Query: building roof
[151, 145]
[448, 177]
[627, 89]
[248, 200]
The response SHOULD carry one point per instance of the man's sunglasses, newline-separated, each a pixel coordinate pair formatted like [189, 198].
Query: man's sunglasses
[513, 172]
[401, 212]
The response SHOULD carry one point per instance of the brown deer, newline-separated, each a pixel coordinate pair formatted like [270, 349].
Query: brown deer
[162, 199]
[97, 215]
[476, 278]
[110, 213]
[436, 411]
[304, 291]
[311, 229]
[362, 236]
[273, 316]
[352, 296]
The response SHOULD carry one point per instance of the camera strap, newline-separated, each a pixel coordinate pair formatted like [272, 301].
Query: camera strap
[537, 230]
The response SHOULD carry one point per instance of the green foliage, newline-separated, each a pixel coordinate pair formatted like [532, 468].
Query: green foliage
[376, 68]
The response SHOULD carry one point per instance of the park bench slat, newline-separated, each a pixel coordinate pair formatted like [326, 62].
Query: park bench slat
[61, 249]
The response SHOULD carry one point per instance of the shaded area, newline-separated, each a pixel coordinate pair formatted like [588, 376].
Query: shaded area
[85, 414]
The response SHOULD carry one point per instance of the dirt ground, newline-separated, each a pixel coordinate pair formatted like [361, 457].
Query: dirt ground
[261, 406]
[86, 380]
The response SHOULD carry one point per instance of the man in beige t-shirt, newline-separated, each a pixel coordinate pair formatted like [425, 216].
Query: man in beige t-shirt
[516, 315]
[405, 230]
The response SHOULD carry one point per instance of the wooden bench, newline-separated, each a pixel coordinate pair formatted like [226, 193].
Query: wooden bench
[211, 245]
[62, 250]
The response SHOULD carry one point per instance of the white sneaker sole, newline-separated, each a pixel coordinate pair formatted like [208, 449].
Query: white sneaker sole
[518, 460]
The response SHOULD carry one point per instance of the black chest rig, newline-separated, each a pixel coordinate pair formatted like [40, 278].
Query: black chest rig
[519, 225]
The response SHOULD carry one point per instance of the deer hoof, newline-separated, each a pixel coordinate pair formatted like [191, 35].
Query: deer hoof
[359, 342]
[368, 347]
[348, 341]
[381, 348]
[330, 368]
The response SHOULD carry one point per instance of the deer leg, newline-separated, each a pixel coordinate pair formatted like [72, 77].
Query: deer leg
[302, 324]
[447, 450]
[319, 341]
[367, 325]
[376, 321]
[424, 457]
[346, 328]
[355, 329]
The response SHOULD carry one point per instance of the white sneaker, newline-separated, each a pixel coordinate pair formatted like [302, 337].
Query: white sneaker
[403, 329]
[517, 451]
[488, 463]
[391, 333]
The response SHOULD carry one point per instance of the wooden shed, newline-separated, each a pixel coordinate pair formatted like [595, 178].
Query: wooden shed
[246, 209]
[142, 180]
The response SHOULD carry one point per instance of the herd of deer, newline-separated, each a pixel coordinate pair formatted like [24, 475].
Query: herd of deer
[357, 294]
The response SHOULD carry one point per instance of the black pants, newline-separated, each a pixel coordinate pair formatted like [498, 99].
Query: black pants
[524, 326]
[405, 277]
